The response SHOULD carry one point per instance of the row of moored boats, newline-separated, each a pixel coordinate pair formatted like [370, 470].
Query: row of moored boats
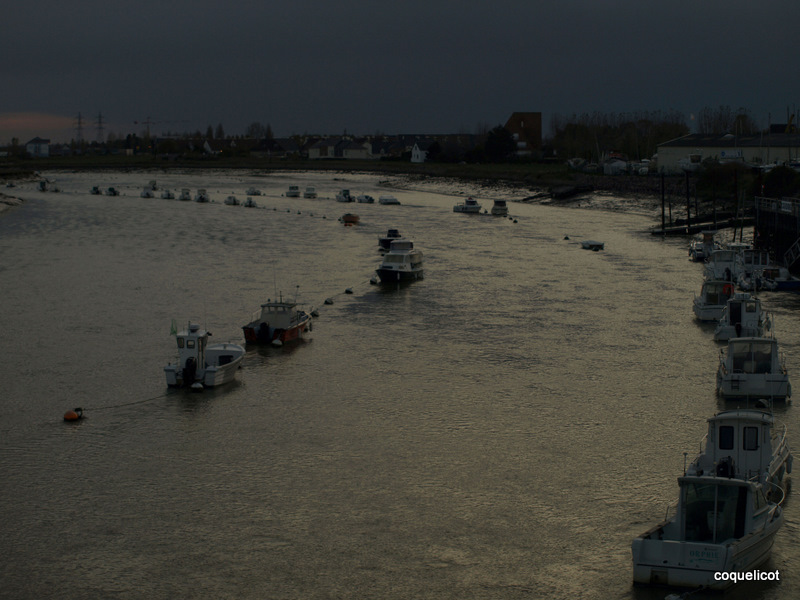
[730, 502]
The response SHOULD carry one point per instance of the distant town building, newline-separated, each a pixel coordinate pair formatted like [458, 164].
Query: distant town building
[526, 128]
[688, 152]
[38, 147]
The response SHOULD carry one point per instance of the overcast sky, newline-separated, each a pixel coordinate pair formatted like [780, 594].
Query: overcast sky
[429, 66]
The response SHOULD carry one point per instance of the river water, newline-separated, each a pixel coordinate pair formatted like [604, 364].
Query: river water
[502, 428]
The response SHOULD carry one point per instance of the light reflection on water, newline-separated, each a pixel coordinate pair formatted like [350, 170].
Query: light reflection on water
[502, 428]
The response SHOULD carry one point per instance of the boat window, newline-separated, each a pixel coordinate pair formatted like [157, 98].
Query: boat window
[190, 343]
[726, 437]
[750, 438]
[762, 355]
[180, 342]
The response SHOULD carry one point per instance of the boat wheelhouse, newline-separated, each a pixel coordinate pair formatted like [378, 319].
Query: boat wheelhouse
[500, 208]
[201, 364]
[753, 368]
[714, 296]
[469, 206]
[742, 316]
[401, 263]
[185, 194]
[251, 191]
[276, 323]
[310, 192]
[293, 192]
[202, 196]
[232, 201]
[167, 195]
[725, 263]
[385, 241]
[746, 444]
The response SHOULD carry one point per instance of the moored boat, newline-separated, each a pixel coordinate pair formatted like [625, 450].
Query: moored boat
[469, 206]
[742, 316]
[277, 323]
[385, 241]
[185, 195]
[232, 201]
[251, 191]
[250, 203]
[201, 364]
[500, 208]
[753, 368]
[344, 196]
[401, 263]
[365, 199]
[202, 196]
[388, 199]
[349, 219]
[293, 192]
[592, 245]
[167, 195]
[729, 507]
[310, 192]
[714, 296]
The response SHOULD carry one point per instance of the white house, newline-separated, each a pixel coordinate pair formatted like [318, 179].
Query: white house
[419, 153]
[38, 147]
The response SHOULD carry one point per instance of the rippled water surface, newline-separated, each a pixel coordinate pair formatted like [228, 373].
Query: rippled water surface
[501, 429]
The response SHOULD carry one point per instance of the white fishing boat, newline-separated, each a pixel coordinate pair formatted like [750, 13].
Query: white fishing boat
[232, 201]
[401, 263]
[778, 279]
[388, 199]
[753, 368]
[742, 316]
[202, 196]
[250, 203]
[201, 364]
[727, 515]
[344, 196]
[365, 199]
[293, 192]
[714, 296]
[186, 195]
[310, 192]
[277, 323]
[167, 195]
[469, 206]
[725, 263]
[499, 208]
[702, 247]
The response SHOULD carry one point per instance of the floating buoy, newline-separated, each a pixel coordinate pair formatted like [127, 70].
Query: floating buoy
[315, 313]
[566, 237]
[76, 414]
[328, 300]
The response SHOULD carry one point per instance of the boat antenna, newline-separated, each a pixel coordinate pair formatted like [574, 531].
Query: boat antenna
[296, 292]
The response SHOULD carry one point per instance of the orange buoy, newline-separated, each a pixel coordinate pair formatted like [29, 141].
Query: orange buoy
[76, 414]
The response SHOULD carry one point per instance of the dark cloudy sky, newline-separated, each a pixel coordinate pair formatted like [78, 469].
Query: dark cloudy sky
[432, 66]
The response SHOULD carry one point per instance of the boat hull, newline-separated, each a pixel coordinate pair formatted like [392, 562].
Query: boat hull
[229, 355]
[688, 564]
[261, 333]
[753, 386]
[399, 275]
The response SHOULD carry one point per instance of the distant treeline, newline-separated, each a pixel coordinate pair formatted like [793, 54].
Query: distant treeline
[637, 135]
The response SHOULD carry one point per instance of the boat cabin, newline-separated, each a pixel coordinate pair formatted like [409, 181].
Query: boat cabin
[723, 264]
[740, 444]
[752, 367]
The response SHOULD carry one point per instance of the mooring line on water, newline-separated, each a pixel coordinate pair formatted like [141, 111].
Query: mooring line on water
[76, 414]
